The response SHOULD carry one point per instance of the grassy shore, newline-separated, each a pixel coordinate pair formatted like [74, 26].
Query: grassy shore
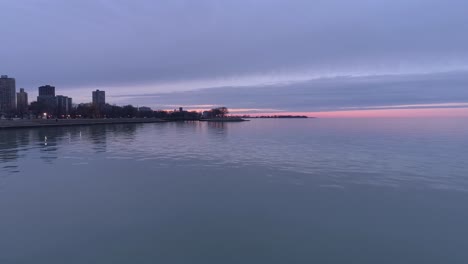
[25, 123]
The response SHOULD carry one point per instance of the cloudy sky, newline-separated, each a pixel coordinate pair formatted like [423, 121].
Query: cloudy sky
[253, 56]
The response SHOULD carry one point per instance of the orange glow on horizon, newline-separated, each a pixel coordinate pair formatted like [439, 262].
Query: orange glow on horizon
[381, 113]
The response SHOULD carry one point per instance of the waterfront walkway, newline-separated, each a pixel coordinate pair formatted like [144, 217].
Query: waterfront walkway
[24, 123]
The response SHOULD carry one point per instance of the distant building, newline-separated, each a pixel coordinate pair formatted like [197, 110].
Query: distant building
[47, 99]
[7, 94]
[63, 105]
[207, 114]
[47, 90]
[22, 101]
[99, 98]
[59, 106]
[145, 109]
[70, 105]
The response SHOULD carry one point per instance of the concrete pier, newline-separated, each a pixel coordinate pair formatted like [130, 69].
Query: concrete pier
[25, 123]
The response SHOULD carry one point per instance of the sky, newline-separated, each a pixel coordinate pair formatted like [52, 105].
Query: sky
[256, 56]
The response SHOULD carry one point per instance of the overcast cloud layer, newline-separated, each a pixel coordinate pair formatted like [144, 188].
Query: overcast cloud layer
[148, 47]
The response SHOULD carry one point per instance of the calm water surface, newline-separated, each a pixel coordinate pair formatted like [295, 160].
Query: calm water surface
[265, 191]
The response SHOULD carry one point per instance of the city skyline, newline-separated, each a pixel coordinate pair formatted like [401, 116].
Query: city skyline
[444, 105]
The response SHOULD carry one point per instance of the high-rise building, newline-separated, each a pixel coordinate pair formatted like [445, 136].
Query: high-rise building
[63, 105]
[7, 94]
[47, 99]
[47, 90]
[22, 101]
[99, 98]
[69, 105]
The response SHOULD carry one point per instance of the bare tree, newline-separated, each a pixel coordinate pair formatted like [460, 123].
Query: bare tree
[219, 111]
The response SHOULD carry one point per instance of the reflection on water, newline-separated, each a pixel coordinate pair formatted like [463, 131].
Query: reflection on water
[98, 137]
[21, 141]
[11, 148]
[382, 152]
[265, 191]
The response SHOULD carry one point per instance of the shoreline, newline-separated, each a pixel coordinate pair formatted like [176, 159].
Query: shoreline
[37, 123]
[32, 123]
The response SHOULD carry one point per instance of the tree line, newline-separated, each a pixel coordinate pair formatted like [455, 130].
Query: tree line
[90, 110]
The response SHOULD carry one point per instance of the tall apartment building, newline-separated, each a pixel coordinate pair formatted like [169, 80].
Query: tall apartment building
[47, 98]
[22, 101]
[69, 105]
[64, 105]
[99, 98]
[7, 94]
[47, 90]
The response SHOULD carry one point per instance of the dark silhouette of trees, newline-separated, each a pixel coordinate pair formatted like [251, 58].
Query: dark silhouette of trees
[129, 111]
[223, 111]
[161, 114]
[89, 110]
[219, 112]
[85, 111]
[113, 111]
[183, 115]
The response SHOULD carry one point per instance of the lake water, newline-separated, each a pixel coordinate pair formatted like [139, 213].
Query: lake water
[264, 191]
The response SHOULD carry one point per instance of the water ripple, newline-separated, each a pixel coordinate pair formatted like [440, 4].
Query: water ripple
[386, 153]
